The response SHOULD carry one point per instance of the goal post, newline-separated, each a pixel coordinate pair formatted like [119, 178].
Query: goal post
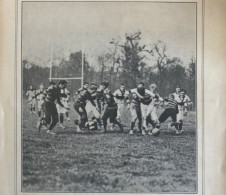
[67, 78]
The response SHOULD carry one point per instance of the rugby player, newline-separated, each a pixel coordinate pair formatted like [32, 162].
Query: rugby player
[31, 93]
[49, 107]
[80, 106]
[110, 110]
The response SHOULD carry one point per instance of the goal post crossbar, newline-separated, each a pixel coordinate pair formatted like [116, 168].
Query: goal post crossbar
[70, 78]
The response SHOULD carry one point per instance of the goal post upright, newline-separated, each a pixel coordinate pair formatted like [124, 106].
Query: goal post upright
[51, 63]
[82, 81]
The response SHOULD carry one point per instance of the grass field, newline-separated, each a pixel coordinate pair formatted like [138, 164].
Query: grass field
[110, 162]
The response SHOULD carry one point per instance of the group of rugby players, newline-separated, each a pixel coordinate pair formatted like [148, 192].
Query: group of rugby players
[53, 104]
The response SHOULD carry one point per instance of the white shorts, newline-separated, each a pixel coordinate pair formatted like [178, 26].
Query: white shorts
[147, 109]
[90, 108]
[153, 114]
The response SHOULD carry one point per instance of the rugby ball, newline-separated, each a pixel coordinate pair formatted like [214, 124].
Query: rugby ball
[155, 132]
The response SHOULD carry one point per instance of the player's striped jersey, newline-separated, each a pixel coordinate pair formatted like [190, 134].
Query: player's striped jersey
[79, 91]
[109, 100]
[54, 94]
[120, 96]
[171, 104]
[83, 97]
[31, 94]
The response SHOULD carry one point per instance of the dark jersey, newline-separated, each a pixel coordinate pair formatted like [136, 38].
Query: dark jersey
[109, 100]
[98, 96]
[84, 97]
[80, 90]
[54, 94]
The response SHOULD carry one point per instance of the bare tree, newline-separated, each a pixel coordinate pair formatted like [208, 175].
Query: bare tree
[133, 54]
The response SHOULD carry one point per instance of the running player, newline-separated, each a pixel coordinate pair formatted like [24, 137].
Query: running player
[110, 110]
[49, 106]
[40, 94]
[187, 101]
[183, 100]
[171, 110]
[145, 97]
[31, 98]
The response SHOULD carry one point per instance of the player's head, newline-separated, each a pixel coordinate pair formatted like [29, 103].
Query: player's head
[171, 96]
[52, 83]
[41, 86]
[153, 87]
[177, 89]
[122, 87]
[182, 92]
[140, 88]
[85, 85]
[104, 85]
[92, 88]
[140, 85]
[62, 84]
[107, 91]
[31, 87]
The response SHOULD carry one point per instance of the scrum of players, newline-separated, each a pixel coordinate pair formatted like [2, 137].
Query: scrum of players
[105, 105]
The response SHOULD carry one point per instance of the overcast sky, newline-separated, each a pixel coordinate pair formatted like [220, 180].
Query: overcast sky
[60, 25]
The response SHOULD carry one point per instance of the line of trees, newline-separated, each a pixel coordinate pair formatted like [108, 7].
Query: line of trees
[129, 62]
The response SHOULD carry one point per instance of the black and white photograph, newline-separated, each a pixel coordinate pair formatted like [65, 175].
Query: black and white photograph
[109, 97]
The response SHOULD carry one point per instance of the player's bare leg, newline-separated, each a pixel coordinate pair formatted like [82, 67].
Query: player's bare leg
[67, 116]
[62, 120]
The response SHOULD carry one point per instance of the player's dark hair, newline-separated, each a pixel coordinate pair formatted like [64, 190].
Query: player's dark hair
[141, 83]
[86, 83]
[183, 90]
[63, 82]
[92, 87]
[92, 83]
[52, 83]
[105, 84]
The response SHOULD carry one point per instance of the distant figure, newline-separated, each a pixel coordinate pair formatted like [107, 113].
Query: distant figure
[31, 94]
[40, 95]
